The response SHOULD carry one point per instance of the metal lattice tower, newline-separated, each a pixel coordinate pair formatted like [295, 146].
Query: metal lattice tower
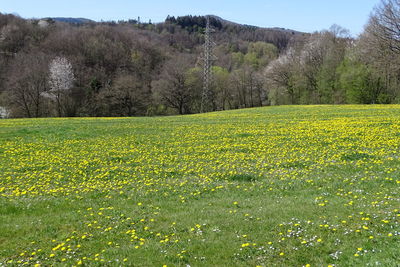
[208, 58]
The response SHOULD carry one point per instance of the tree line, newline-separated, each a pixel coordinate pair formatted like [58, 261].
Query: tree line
[128, 68]
[330, 67]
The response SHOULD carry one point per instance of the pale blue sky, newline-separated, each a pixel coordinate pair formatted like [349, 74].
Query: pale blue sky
[302, 15]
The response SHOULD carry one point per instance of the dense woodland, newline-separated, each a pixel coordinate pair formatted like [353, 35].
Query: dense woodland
[128, 68]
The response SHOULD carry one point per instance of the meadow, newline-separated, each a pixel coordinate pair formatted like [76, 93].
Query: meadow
[274, 186]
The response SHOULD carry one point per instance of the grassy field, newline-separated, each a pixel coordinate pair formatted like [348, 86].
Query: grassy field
[275, 186]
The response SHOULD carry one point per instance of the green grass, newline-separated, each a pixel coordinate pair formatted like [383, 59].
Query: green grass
[276, 186]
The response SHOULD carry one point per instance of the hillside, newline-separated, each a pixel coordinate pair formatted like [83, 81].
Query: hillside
[276, 186]
[219, 23]
[224, 22]
[127, 68]
[130, 68]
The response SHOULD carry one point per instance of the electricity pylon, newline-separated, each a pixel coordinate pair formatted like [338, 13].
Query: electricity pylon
[209, 58]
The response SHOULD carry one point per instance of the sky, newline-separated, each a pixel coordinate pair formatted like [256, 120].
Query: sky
[301, 15]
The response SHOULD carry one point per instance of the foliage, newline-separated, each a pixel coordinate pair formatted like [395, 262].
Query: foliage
[106, 55]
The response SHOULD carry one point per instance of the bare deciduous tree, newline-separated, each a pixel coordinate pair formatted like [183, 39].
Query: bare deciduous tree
[25, 85]
[126, 97]
[384, 24]
[173, 87]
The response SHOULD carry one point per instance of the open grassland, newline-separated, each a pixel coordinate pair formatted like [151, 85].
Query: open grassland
[276, 186]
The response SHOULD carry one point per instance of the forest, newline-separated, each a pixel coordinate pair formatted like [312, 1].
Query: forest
[50, 68]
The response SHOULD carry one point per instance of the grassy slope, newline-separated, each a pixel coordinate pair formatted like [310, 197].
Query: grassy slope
[280, 186]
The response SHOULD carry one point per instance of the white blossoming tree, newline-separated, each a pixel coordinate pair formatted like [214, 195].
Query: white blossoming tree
[60, 81]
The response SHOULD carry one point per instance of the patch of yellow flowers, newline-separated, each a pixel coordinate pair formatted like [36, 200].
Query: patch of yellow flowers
[188, 157]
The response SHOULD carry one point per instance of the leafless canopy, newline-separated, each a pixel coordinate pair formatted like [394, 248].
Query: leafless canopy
[385, 24]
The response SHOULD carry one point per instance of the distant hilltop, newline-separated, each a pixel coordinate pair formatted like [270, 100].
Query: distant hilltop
[224, 22]
[71, 20]
[228, 22]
